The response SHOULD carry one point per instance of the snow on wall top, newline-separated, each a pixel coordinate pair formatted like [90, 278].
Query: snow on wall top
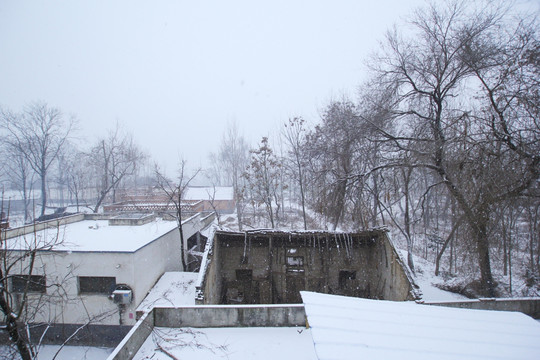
[173, 289]
[93, 236]
[354, 328]
[206, 193]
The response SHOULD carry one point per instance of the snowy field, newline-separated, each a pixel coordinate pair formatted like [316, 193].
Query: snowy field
[228, 343]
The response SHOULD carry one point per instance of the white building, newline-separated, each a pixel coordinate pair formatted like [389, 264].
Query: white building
[79, 263]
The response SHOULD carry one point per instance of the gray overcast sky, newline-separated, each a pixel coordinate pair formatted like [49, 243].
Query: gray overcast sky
[174, 72]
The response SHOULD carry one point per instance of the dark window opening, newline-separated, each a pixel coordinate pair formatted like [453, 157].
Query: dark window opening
[344, 276]
[244, 275]
[96, 284]
[34, 283]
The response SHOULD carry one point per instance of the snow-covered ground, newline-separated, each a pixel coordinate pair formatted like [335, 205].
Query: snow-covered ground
[228, 343]
[425, 278]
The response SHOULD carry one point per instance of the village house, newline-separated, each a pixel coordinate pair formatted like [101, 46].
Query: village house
[196, 199]
[93, 269]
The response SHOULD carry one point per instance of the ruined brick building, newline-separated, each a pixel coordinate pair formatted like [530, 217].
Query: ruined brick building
[271, 267]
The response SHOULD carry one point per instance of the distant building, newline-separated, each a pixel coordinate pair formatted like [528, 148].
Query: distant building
[195, 200]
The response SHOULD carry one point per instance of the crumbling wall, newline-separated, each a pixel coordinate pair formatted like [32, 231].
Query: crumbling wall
[390, 274]
[270, 267]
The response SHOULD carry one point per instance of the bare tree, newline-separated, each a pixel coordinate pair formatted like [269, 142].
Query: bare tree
[113, 159]
[449, 134]
[175, 192]
[77, 178]
[230, 162]
[262, 176]
[331, 147]
[20, 176]
[295, 134]
[38, 133]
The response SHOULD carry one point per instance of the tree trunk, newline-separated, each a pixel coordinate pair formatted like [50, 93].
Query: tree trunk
[43, 192]
[181, 232]
[482, 245]
[302, 196]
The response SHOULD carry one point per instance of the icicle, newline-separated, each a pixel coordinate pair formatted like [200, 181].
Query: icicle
[349, 240]
[346, 244]
[245, 244]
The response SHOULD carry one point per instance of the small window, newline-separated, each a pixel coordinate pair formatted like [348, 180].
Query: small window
[295, 260]
[96, 284]
[345, 276]
[34, 283]
[244, 275]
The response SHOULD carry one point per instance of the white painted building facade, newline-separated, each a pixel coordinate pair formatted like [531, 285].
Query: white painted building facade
[80, 264]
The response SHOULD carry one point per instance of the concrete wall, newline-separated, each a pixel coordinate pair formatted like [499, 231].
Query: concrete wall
[208, 316]
[134, 339]
[38, 226]
[528, 306]
[152, 260]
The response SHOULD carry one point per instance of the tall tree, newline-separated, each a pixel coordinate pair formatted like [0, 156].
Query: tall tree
[38, 133]
[262, 176]
[295, 136]
[113, 158]
[442, 124]
[232, 160]
[332, 146]
[174, 192]
[20, 176]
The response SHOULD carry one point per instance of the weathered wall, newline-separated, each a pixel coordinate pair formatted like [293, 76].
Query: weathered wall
[528, 306]
[272, 267]
[90, 335]
[389, 274]
[208, 316]
[210, 287]
[134, 339]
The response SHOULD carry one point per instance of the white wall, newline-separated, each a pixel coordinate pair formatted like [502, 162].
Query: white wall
[153, 260]
[140, 270]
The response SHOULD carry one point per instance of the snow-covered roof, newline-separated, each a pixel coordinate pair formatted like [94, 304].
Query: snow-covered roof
[261, 343]
[173, 289]
[206, 193]
[353, 328]
[93, 236]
